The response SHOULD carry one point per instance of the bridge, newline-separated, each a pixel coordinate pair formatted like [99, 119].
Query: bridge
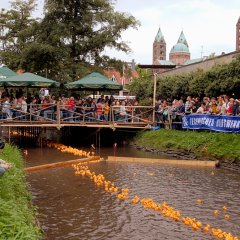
[59, 116]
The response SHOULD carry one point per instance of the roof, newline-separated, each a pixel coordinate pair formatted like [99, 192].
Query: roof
[179, 47]
[6, 72]
[159, 37]
[94, 81]
[191, 61]
[238, 20]
[182, 39]
[111, 72]
[166, 62]
[148, 66]
[27, 80]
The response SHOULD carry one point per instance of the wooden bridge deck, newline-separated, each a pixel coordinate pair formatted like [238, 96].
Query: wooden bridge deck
[48, 124]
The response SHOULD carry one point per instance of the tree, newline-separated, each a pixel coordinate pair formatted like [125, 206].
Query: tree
[221, 79]
[16, 31]
[83, 28]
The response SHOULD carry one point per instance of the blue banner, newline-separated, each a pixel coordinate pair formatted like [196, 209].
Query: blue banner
[219, 123]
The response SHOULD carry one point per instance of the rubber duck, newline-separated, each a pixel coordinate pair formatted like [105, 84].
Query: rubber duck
[224, 208]
[227, 216]
[216, 212]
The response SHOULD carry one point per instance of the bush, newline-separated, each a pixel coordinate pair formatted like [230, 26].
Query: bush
[17, 215]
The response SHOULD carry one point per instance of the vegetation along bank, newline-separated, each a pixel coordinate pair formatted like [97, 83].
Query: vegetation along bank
[17, 215]
[224, 147]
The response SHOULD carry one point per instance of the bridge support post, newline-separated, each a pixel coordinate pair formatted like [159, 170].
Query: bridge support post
[58, 115]
[154, 96]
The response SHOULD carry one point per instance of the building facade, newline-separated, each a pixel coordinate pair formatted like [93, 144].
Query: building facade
[179, 54]
[238, 35]
[159, 47]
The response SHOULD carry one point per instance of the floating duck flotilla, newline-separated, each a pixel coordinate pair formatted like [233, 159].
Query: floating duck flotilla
[123, 194]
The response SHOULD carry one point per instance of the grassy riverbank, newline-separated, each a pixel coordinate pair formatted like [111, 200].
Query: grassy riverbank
[209, 144]
[17, 215]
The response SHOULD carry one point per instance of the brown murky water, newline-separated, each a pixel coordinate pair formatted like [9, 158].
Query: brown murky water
[71, 207]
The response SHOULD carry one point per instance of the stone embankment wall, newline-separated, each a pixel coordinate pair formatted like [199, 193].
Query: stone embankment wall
[229, 164]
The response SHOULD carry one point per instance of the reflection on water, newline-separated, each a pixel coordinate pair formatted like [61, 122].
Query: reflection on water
[71, 207]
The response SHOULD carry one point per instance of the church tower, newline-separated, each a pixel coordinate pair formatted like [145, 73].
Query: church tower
[179, 53]
[159, 48]
[238, 35]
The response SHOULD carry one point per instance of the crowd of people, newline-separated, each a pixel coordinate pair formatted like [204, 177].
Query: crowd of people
[105, 108]
[167, 111]
[44, 106]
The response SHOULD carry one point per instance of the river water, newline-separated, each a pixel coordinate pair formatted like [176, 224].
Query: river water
[72, 207]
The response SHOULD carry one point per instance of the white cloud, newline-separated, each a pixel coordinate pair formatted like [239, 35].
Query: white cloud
[207, 23]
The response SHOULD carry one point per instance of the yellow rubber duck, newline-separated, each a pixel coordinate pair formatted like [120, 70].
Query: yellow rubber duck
[224, 208]
[199, 201]
[216, 212]
[227, 216]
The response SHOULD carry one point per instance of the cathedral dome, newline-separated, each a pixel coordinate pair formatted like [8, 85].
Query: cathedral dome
[179, 47]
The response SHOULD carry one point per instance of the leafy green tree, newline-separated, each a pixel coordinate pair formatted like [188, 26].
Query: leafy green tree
[142, 87]
[221, 79]
[83, 28]
[16, 31]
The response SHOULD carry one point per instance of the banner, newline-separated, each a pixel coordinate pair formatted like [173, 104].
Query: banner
[219, 123]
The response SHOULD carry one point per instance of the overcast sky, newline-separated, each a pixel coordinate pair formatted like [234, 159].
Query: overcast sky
[209, 26]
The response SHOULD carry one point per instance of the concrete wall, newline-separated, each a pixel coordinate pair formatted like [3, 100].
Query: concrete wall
[204, 65]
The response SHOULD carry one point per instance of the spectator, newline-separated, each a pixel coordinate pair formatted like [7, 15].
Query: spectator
[236, 109]
[202, 108]
[70, 106]
[123, 112]
[3, 166]
[6, 108]
[106, 110]
[99, 110]
[188, 105]
[213, 106]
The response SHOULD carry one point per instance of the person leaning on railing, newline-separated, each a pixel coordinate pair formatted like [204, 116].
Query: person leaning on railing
[33, 109]
[6, 108]
[136, 111]
[236, 107]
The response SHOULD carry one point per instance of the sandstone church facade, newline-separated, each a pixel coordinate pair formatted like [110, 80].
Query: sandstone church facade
[180, 57]
[179, 54]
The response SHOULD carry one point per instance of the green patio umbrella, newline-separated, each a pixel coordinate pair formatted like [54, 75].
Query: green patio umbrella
[94, 81]
[6, 72]
[27, 80]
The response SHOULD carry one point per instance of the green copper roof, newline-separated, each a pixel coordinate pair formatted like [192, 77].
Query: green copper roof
[179, 47]
[165, 62]
[182, 39]
[27, 80]
[6, 72]
[191, 61]
[94, 81]
[159, 36]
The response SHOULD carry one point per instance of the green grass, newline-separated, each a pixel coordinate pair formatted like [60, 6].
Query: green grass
[17, 215]
[211, 144]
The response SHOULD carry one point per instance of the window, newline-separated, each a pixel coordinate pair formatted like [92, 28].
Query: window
[113, 78]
